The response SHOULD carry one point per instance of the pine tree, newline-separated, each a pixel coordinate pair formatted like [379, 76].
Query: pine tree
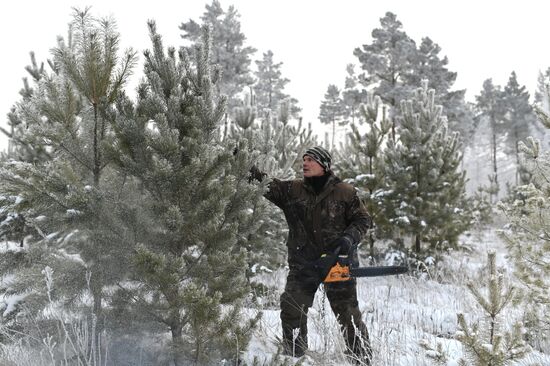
[519, 117]
[430, 66]
[229, 52]
[490, 105]
[270, 85]
[72, 201]
[332, 110]
[542, 102]
[189, 268]
[364, 163]
[265, 244]
[352, 96]
[394, 67]
[543, 89]
[527, 234]
[295, 138]
[21, 145]
[425, 194]
[485, 343]
[438, 355]
[388, 60]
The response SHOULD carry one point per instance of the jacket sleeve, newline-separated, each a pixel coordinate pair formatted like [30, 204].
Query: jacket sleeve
[277, 191]
[358, 218]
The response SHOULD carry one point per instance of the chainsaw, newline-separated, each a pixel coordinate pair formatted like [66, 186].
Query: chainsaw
[343, 270]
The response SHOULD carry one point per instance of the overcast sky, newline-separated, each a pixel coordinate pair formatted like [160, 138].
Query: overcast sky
[314, 39]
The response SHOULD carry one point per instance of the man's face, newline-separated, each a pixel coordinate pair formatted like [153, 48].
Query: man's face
[312, 168]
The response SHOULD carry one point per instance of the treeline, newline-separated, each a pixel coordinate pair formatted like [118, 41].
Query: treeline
[393, 65]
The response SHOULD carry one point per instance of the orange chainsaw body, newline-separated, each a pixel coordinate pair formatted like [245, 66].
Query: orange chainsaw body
[338, 273]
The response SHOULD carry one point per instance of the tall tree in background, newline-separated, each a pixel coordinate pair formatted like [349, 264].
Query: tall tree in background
[542, 103]
[352, 96]
[229, 51]
[425, 193]
[332, 110]
[73, 200]
[388, 60]
[189, 268]
[518, 119]
[429, 65]
[269, 87]
[489, 104]
[394, 67]
[543, 89]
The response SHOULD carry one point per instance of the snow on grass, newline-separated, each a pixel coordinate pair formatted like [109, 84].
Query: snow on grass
[404, 314]
[10, 246]
[401, 312]
[8, 303]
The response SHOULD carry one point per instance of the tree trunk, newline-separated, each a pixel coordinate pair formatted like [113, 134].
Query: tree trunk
[371, 237]
[371, 245]
[418, 177]
[517, 156]
[97, 157]
[333, 134]
[97, 294]
[284, 145]
[393, 103]
[97, 325]
[96, 283]
[226, 123]
[494, 142]
[370, 170]
[177, 341]
[417, 243]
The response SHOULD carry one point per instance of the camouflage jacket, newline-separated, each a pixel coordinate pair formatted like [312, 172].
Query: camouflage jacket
[316, 221]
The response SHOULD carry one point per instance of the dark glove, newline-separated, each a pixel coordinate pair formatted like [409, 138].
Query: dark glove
[256, 173]
[346, 251]
[345, 243]
[321, 267]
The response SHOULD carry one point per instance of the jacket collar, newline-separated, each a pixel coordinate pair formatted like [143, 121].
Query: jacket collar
[328, 187]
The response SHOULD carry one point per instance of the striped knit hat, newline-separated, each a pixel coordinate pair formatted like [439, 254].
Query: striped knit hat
[320, 155]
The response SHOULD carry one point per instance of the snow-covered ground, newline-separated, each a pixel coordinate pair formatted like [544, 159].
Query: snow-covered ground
[401, 312]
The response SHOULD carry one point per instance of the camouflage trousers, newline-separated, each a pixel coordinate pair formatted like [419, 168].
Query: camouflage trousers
[342, 296]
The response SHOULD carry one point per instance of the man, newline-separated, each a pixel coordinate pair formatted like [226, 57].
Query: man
[324, 216]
